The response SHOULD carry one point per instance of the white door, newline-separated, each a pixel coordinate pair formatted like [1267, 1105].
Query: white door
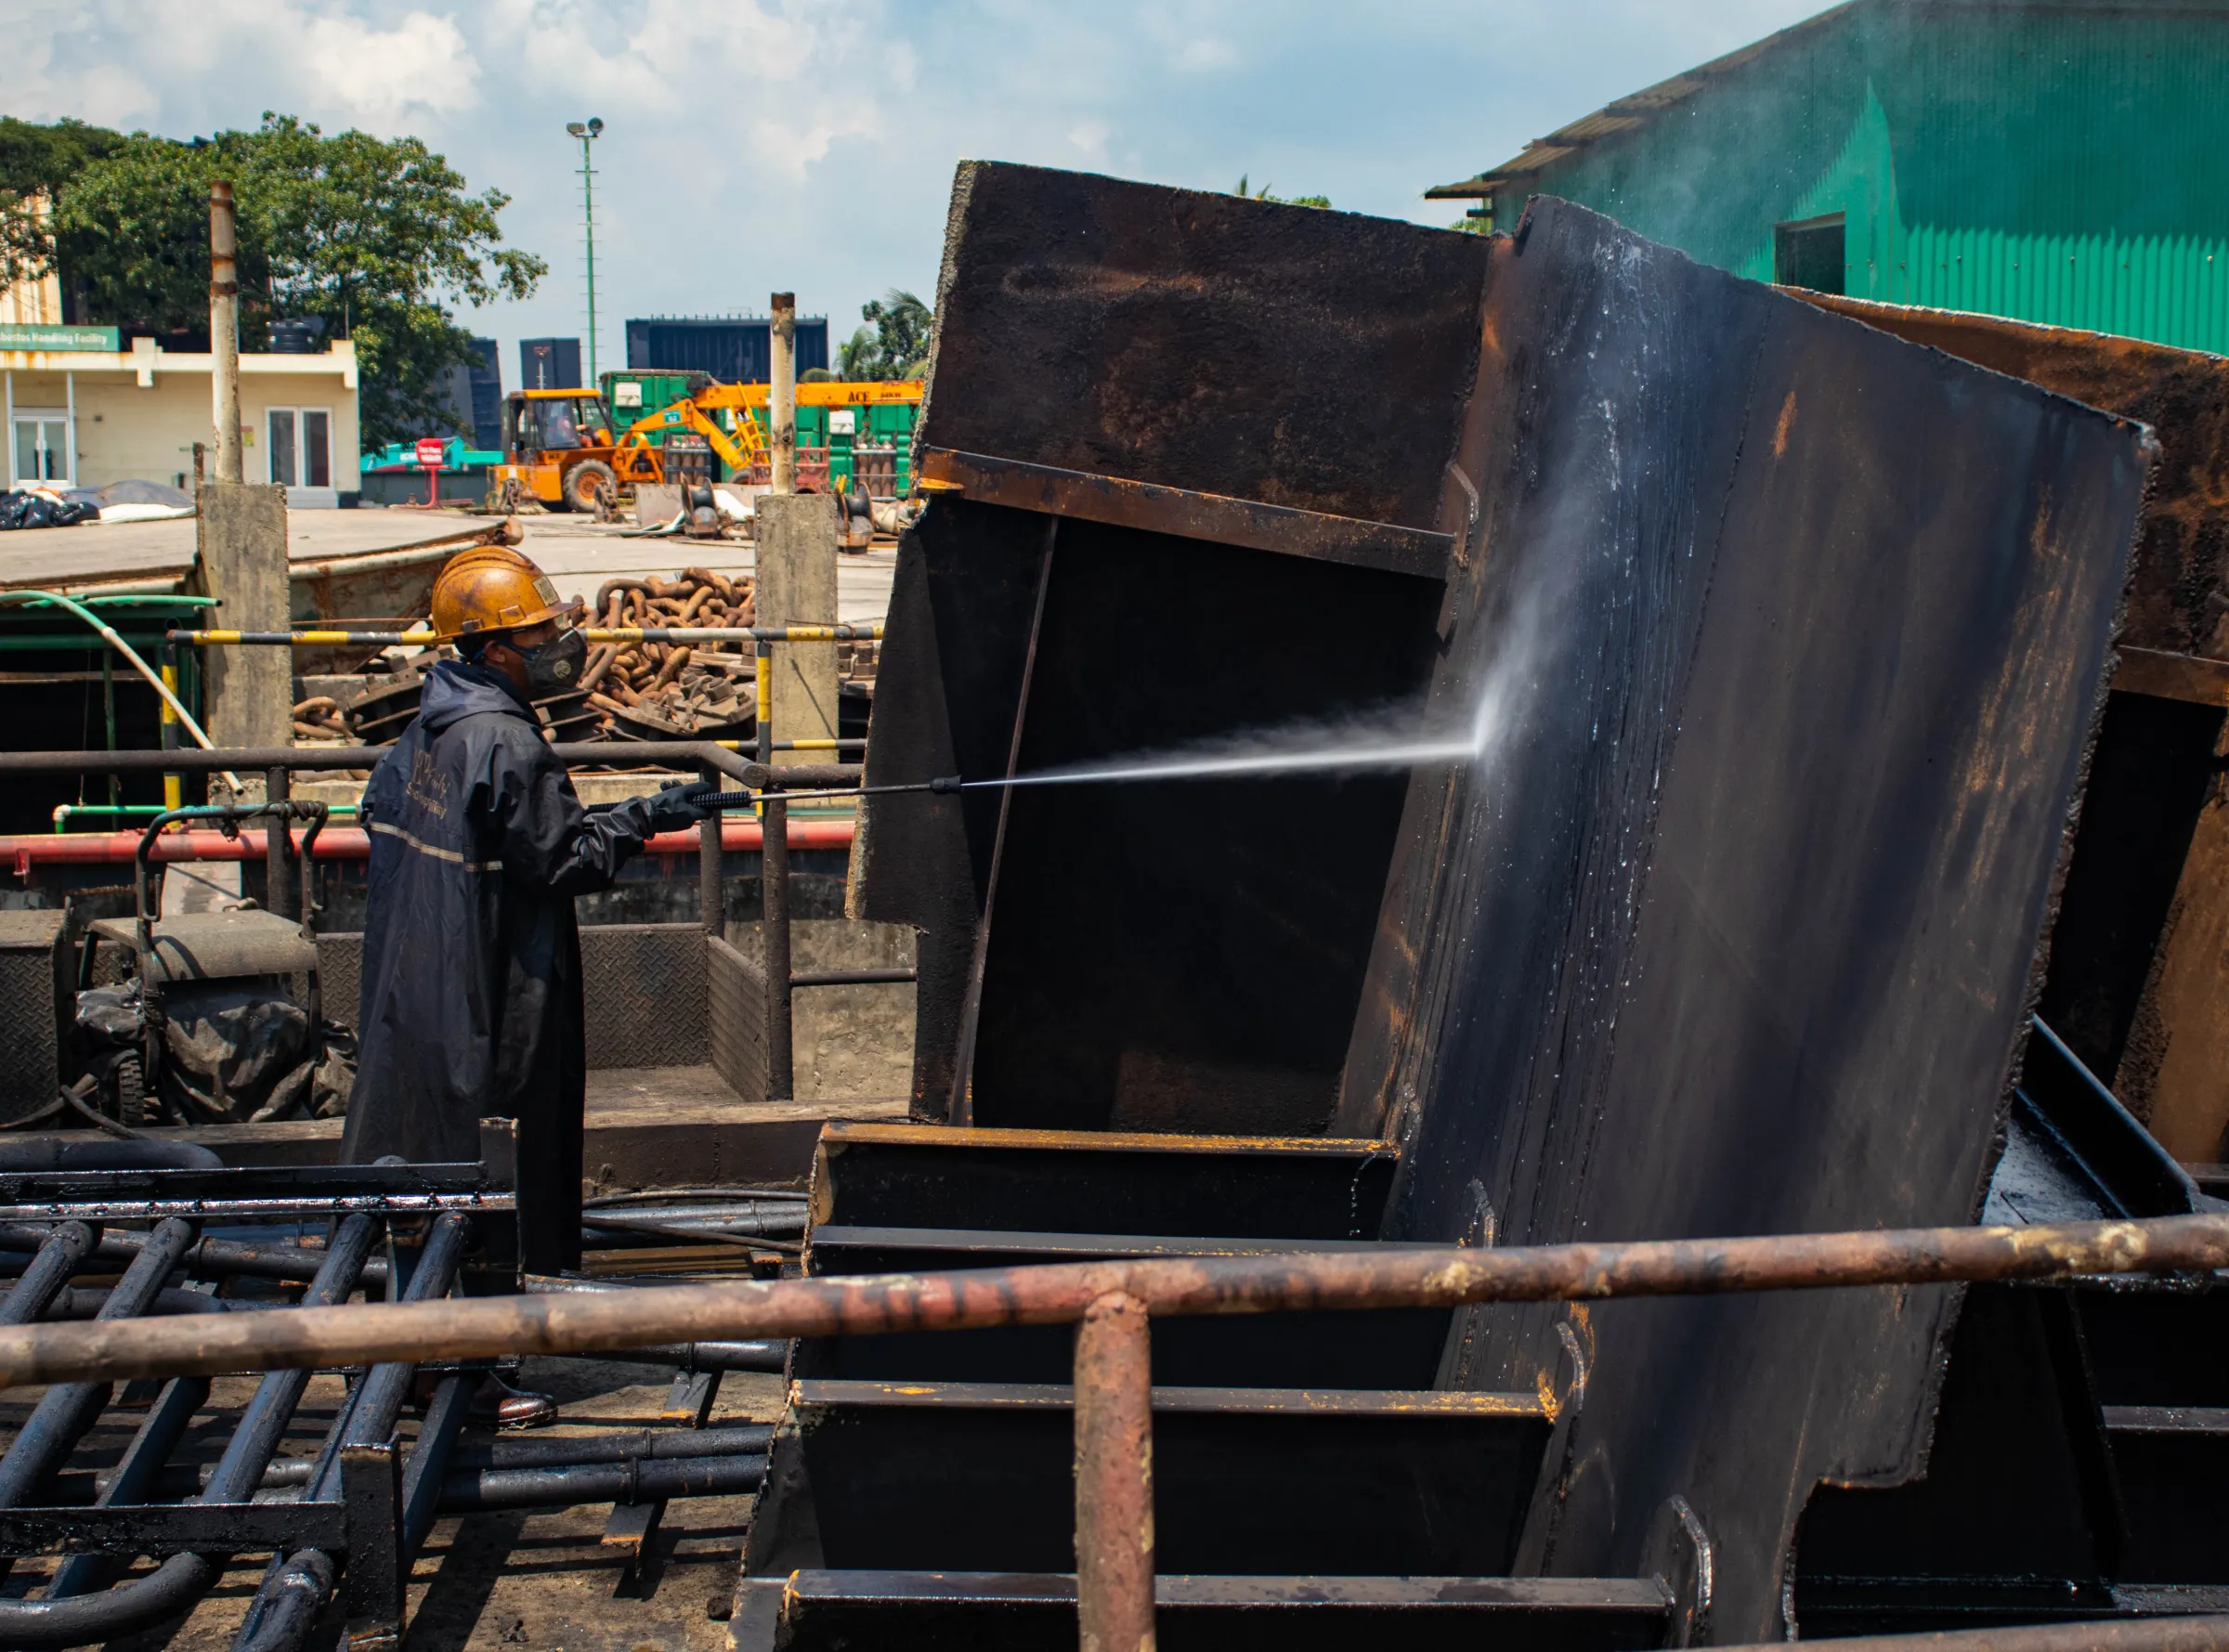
[43, 446]
[301, 449]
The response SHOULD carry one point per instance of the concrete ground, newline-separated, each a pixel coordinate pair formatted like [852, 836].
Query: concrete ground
[545, 1582]
[578, 554]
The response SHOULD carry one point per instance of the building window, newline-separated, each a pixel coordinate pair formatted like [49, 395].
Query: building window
[42, 445]
[1808, 254]
[302, 446]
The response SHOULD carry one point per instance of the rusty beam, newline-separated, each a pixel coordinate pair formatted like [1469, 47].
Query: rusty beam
[2163, 676]
[1114, 1475]
[1151, 508]
[489, 1327]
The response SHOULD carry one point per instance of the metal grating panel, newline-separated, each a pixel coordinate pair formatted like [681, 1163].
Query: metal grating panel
[736, 993]
[644, 990]
[31, 1001]
[341, 976]
[644, 986]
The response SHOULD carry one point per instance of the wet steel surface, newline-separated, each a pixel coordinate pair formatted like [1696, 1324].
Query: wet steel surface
[2138, 985]
[1798, 635]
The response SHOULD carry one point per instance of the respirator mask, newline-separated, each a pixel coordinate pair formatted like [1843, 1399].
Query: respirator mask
[555, 666]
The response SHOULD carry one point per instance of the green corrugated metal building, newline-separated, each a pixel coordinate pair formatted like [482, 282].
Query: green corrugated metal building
[2048, 160]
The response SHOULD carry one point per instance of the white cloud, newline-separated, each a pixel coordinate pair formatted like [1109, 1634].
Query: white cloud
[1090, 136]
[1206, 53]
[808, 145]
[381, 75]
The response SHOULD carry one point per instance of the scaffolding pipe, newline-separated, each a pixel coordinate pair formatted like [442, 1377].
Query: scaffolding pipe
[610, 1321]
[591, 633]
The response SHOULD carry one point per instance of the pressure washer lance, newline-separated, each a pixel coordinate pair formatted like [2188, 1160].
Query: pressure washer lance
[745, 800]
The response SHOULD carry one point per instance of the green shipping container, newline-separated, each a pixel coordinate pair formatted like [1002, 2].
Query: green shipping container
[2054, 160]
[631, 394]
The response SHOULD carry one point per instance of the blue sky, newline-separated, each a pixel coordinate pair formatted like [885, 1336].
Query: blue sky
[809, 144]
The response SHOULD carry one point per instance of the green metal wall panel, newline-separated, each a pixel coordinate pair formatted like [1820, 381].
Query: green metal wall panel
[2057, 163]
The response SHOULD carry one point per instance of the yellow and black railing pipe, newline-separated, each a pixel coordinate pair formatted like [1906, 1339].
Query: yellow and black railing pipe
[648, 634]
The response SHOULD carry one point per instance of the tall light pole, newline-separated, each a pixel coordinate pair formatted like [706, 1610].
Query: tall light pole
[588, 132]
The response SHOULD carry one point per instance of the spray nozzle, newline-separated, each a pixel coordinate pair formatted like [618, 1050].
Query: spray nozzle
[945, 783]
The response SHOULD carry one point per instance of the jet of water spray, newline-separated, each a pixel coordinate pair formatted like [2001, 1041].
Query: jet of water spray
[1387, 738]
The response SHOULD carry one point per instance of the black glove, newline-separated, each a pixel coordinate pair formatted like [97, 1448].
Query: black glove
[675, 807]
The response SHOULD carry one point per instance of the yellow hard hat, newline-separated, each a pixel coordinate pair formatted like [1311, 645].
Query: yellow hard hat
[492, 588]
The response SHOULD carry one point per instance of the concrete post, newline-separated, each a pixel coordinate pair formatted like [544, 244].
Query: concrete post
[224, 339]
[781, 400]
[240, 560]
[797, 586]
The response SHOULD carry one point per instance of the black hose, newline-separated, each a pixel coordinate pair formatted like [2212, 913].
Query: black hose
[82, 1302]
[91, 1152]
[473, 1491]
[138, 1479]
[290, 1603]
[660, 1445]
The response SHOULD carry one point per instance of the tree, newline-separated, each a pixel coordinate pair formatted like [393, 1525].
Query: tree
[378, 238]
[1263, 194]
[35, 161]
[897, 347]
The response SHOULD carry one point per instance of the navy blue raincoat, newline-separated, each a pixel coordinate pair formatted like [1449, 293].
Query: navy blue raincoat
[472, 1002]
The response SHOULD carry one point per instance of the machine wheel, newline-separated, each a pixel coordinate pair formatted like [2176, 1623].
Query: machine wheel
[131, 1093]
[589, 483]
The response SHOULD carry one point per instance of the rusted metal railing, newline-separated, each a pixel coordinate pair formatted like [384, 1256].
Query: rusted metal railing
[1115, 1301]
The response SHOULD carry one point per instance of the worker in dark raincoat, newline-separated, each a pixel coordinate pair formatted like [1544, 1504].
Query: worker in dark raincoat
[471, 1003]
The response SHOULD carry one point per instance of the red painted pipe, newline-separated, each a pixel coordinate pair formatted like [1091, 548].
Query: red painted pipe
[347, 843]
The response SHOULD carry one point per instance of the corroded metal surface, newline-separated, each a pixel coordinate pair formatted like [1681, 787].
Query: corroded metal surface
[1114, 1477]
[1126, 503]
[1789, 639]
[486, 1327]
[2179, 576]
[1315, 361]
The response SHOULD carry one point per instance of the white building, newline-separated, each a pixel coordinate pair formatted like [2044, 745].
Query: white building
[82, 411]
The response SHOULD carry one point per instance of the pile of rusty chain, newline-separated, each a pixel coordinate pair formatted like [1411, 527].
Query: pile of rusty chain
[651, 688]
[321, 718]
